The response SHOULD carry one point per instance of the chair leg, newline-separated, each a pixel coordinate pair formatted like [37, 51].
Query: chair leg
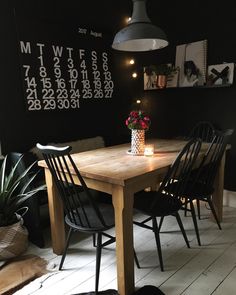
[195, 222]
[160, 223]
[185, 207]
[213, 212]
[66, 247]
[98, 260]
[157, 237]
[198, 209]
[136, 260]
[94, 240]
[182, 229]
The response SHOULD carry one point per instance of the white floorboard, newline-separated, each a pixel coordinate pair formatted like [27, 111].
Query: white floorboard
[207, 269]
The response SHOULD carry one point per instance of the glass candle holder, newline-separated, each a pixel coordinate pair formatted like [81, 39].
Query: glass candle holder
[149, 150]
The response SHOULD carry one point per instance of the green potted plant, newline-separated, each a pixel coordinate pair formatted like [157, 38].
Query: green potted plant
[15, 189]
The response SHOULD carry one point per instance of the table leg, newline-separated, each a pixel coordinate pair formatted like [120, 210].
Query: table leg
[219, 189]
[123, 205]
[56, 215]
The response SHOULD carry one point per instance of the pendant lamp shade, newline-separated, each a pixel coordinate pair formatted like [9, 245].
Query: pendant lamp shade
[140, 34]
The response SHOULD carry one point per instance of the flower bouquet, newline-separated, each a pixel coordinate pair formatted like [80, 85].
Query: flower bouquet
[138, 122]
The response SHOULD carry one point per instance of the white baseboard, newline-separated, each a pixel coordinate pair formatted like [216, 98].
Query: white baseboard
[229, 198]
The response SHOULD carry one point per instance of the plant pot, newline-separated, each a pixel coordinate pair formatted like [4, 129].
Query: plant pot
[13, 240]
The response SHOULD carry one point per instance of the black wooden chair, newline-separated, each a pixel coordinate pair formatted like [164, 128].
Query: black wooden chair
[167, 200]
[201, 184]
[82, 211]
[203, 130]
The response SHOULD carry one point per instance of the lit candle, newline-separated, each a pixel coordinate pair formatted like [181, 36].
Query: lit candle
[149, 150]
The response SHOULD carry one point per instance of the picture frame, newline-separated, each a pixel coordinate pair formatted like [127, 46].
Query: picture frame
[149, 78]
[220, 74]
[191, 59]
[153, 73]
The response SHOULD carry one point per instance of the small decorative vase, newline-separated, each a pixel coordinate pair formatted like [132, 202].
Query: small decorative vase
[137, 141]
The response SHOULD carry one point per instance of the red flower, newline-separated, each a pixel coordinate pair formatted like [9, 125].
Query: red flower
[143, 124]
[138, 120]
[134, 114]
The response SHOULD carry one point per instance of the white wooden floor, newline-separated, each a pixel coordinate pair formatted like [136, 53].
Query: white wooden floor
[205, 270]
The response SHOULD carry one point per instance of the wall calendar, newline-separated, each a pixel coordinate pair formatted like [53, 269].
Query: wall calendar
[63, 71]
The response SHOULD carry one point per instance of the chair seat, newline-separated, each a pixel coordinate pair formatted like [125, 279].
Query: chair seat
[164, 205]
[107, 213]
[193, 189]
[199, 190]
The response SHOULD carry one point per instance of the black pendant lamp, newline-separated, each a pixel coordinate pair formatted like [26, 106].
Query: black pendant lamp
[140, 34]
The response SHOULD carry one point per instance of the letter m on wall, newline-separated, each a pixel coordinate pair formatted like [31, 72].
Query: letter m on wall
[25, 47]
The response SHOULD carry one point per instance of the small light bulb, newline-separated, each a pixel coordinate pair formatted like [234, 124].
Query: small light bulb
[131, 61]
[128, 19]
[134, 75]
[138, 101]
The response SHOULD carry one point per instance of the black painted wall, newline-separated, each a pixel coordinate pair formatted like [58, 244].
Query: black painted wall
[173, 111]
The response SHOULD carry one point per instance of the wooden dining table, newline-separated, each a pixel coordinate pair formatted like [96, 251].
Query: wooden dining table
[115, 171]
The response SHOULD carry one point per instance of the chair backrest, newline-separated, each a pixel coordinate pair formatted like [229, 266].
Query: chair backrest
[208, 168]
[179, 172]
[203, 130]
[79, 205]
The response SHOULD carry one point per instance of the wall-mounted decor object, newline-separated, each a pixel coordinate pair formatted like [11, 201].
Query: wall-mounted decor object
[63, 66]
[159, 76]
[221, 74]
[191, 59]
[150, 78]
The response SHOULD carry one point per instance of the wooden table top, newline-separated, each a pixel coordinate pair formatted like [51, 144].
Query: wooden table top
[114, 165]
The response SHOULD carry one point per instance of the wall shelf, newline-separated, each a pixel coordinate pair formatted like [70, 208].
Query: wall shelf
[195, 87]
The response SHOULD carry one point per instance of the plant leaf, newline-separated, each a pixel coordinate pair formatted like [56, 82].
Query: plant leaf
[15, 189]
[3, 175]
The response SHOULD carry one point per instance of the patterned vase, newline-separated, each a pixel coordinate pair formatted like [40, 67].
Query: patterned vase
[137, 141]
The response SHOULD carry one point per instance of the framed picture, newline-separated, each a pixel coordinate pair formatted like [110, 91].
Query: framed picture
[191, 61]
[149, 78]
[153, 76]
[221, 74]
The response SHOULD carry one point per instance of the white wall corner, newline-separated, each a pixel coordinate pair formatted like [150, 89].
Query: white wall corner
[229, 198]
